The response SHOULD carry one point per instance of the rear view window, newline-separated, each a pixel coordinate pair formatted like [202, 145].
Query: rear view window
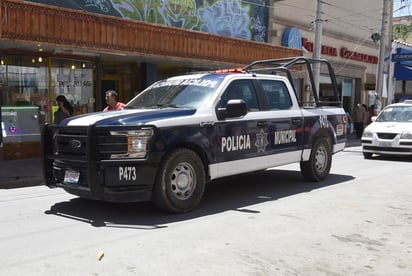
[277, 94]
[241, 89]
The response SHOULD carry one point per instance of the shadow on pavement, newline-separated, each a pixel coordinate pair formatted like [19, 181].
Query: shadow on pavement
[229, 194]
[391, 158]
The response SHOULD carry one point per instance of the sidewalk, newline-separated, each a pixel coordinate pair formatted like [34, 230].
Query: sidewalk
[28, 172]
[20, 173]
[352, 141]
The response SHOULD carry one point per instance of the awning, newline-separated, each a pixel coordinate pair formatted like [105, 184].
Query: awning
[403, 64]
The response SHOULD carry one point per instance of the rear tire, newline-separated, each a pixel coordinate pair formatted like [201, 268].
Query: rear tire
[318, 166]
[180, 182]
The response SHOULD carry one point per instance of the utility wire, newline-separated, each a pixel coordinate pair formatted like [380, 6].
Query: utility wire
[352, 11]
[337, 19]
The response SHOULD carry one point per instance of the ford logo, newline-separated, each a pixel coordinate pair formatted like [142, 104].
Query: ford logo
[75, 144]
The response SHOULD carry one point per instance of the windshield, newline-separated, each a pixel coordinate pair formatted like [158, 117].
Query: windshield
[396, 114]
[178, 93]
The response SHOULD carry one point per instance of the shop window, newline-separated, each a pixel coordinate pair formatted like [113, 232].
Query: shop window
[74, 80]
[23, 82]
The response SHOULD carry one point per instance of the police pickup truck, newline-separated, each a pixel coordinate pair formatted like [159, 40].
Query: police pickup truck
[183, 132]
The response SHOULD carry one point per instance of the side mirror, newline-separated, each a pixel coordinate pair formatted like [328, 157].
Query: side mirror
[234, 108]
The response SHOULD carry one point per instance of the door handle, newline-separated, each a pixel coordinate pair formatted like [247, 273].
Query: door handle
[297, 121]
[262, 124]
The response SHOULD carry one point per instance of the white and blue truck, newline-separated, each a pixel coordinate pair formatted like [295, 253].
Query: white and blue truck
[185, 131]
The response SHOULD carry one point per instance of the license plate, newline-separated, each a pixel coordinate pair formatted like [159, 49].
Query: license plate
[71, 177]
[385, 144]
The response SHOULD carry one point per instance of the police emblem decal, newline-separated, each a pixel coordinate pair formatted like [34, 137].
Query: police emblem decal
[261, 141]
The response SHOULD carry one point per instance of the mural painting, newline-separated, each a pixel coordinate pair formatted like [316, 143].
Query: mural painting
[244, 19]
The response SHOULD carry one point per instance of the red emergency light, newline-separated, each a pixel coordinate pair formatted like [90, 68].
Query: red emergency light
[231, 70]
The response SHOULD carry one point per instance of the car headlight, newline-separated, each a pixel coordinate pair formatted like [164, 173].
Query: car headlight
[137, 142]
[406, 135]
[367, 134]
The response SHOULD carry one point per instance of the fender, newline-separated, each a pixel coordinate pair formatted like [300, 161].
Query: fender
[321, 128]
[203, 140]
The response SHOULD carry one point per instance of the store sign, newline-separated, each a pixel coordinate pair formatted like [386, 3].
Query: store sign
[402, 57]
[325, 50]
[343, 53]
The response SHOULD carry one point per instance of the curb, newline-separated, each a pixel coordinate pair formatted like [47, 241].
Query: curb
[21, 182]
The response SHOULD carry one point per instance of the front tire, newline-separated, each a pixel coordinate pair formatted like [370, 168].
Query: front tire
[318, 166]
[180, 182]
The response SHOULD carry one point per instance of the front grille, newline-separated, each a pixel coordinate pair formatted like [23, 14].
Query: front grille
[386, 136]
[108, 144]
[76, 143]
[70, 142]
[68, 149]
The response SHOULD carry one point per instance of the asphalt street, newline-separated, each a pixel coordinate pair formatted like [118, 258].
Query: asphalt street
[356, 222]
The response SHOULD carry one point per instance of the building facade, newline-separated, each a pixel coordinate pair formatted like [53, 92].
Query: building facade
[81, 48]
[347, 27]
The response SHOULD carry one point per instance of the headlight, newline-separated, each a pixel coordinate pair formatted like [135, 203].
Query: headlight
[367, 134]
[137, 142]
[406, 135]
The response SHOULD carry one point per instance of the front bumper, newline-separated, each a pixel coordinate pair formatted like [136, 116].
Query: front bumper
[99, 181]
[394, 146]
[120, 180]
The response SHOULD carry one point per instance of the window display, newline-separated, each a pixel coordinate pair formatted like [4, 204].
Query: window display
[74, 80]
[24, 81]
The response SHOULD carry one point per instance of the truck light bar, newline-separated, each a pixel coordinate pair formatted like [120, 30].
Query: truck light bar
[231, 70]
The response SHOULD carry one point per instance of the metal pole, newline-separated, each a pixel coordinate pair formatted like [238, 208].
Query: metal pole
[50, 96]
[317, 44]
[381, 61]
[391, 83]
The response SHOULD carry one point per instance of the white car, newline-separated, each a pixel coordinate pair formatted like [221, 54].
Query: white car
[390, 133]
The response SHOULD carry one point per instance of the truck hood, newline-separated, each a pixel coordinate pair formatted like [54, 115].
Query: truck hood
[126, 117]
[389, 127]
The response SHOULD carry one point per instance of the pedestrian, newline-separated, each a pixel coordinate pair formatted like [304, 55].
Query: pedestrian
[367, 121]
[371, 112]
[112, 101]
[359, 116]
[349, 123]
[64, 111]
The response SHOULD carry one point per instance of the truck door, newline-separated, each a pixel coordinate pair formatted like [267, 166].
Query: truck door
[243, 142]
[284, 121]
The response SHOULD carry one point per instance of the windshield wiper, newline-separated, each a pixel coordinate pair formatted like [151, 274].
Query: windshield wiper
[152, 106]
[130, 107]
[168, 105]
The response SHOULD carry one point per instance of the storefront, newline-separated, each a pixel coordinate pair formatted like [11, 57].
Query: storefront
[29, 85]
